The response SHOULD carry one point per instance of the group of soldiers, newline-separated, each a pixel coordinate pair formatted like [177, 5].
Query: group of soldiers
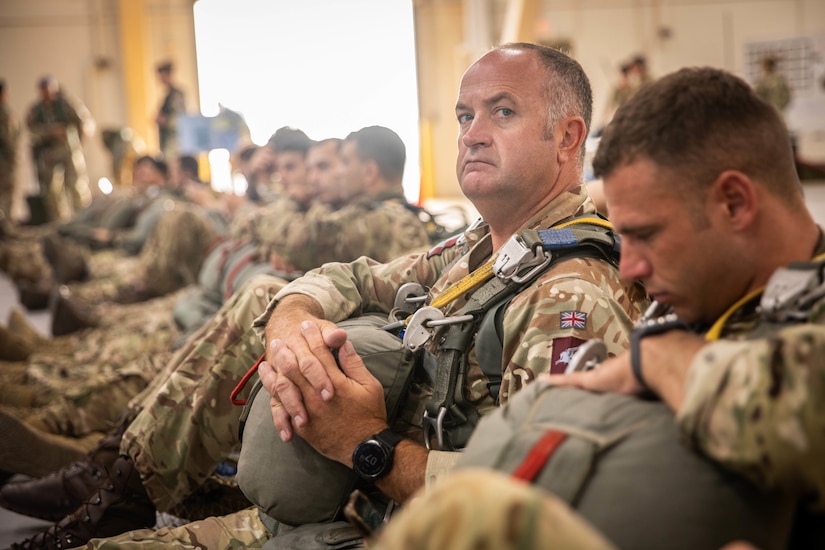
[710, 318]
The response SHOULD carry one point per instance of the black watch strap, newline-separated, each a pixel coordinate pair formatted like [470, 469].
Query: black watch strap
[388, 438]
[658, 325]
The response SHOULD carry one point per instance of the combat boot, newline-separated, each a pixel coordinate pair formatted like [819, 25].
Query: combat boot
[34, 295]
[67, 262]
[12, 347]
[131, 294]
[59, 494]
[120, 504]
[69, 314]
[32, 452]
[20, 326]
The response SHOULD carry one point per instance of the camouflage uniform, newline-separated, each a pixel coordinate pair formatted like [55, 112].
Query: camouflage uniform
[187, 424]
[588, 286]
[774, 89]
[380, 227]
[9, 137]
[79, 384]
[535, 336]
[65, 150]
[767, 422]
[359, 228]
[173, 105]
[486, 509]
[171, 258]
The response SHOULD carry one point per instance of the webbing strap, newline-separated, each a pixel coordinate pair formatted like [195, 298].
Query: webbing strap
[538, 456]
[551, 239]
[452, 359]
[236, 269]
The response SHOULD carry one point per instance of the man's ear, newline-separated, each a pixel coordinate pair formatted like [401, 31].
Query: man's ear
[736, 194]
[573, 132]
[371, 171]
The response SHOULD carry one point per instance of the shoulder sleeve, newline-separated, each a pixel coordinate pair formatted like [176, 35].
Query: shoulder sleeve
[363, 285]
[758, 408]
[575, 301]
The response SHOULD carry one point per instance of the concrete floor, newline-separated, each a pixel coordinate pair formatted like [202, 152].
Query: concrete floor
[14, 527]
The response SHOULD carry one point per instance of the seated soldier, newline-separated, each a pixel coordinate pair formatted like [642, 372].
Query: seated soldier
[523, 171]
[201, 375]
[730, 247]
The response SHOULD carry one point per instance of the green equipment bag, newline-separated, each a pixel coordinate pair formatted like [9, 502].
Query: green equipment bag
[620, 462]
[291, 482]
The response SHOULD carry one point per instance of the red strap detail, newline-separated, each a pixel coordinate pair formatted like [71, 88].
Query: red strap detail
[230, 279]
[539, 455]
[239, 388]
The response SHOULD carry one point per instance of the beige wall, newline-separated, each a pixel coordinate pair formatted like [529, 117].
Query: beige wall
[80, 42]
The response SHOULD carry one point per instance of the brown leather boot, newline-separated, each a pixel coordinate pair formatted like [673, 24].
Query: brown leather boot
[34, 295]
[59, 494]
[67, 262]
[69, 314]
[13, 347]
[20, 326]
[26, 450]
[119, 505]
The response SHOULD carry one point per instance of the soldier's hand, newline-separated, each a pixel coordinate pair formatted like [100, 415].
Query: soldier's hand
[612, 375]
[325, 422]
[290, 358]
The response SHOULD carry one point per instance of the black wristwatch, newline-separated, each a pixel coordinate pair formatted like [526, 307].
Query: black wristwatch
[372, 458]
[650, 327]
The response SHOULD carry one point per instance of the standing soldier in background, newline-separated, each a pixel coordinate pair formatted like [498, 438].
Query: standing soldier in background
[172, 106]
[772, 86]
[57, 130]
[9, 135]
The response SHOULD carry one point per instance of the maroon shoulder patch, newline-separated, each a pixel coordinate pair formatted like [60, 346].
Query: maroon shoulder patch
[563, 351]
[442, 246]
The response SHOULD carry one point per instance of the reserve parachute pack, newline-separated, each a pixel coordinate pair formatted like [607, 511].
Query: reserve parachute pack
[294, 485]
[619, 461]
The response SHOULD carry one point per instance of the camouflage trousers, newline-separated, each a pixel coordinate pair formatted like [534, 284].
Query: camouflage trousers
[79, 384]
[467, 510]
[239, 530]
[21, 255]
[171, 258]
[187, 425]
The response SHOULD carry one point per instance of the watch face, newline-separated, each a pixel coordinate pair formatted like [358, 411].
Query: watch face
[370, 459]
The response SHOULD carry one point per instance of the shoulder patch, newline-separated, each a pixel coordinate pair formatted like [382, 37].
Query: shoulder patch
[438, 249]
[563, 350]
[573, 319]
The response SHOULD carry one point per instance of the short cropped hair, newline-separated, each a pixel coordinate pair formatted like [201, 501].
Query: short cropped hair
[384, 147]
[335, 141]
[290, 139]
[189, 165]
[165, 67]
[568, 90]
[700, 122]
[159, 164]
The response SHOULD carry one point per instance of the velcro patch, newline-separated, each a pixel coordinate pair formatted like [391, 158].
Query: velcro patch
[573, 319]
[442, 246]
[563, 351]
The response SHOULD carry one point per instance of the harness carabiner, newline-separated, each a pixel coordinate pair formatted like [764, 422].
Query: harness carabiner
[429, 424]
[515, 256]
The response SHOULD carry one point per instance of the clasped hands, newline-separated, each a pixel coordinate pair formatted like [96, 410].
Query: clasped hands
[331, 408]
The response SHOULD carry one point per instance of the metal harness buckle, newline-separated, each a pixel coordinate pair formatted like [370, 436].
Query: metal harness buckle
[515, 256]
[437, 424]
[791, 291]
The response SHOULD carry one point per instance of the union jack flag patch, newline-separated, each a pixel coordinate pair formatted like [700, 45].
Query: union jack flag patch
[573, 319]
